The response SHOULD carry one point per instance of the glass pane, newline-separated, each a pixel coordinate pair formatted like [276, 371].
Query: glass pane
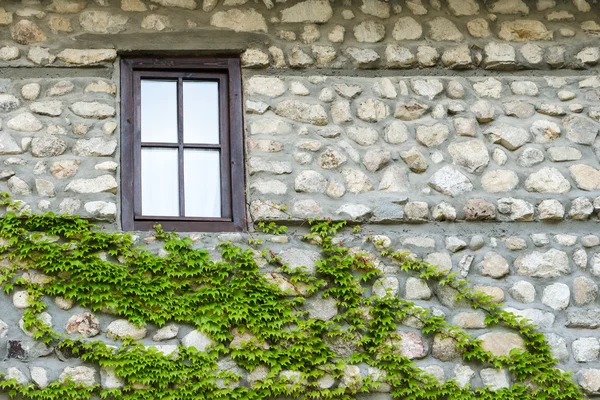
[160, 182]
[201, 112]
[202, 171]
[159, 111]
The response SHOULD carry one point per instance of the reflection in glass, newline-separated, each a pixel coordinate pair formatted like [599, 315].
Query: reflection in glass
[160, 182]
[159, 111]
[202, 174]
[201, 112]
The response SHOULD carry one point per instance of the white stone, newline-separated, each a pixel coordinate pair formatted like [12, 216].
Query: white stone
[450, 182]
[104, 183]
[547, 180]
[81, 375]
[556, 296]
[25, 122]
[550, 264]
[239, 20]
[523, 292]
[122, 328]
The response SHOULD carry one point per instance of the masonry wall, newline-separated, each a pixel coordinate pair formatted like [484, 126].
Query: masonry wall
[462, 131]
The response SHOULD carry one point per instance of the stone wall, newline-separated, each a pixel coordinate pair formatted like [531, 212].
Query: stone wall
[462, 131]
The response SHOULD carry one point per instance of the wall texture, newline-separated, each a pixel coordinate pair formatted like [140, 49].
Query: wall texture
[462, 131]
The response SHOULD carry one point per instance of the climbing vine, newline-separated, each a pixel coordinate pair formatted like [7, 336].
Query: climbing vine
[289, 353]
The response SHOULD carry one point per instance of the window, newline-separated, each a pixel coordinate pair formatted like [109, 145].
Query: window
[181, 144]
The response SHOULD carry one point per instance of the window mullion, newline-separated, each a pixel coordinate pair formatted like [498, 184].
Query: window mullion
[180, 142]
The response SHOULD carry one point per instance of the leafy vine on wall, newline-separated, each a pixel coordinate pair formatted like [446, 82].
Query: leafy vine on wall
[105, 271]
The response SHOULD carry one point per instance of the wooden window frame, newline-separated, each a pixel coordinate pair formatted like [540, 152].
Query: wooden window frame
[228, 72]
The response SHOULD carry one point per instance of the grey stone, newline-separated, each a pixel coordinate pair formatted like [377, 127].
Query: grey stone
[394, 179]
[556, 296]
[471, 155]
[416, 289]
[463, 375]
[581, 130]
[547, 180]
[450, 182]
[323, 309]
[25, 122]
[416, 211]
[302, 112]
[519, 109]
[550, 264]
[104, 183]
[385, 286]
[510, 137]
[581, 209]
[531, 156]
[585, 318]
[586, 349]
[296, 258]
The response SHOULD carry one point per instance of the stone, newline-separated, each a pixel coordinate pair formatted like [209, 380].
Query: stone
[441, 260]
[8, 145]
[586, 349]
[265, 86]
[589, 379]
[410, 345]
[513, 7]
[187, 4]
[458, 57]
[442, 29]
[356, 180]
[104, 183]
[297, 258]
[364, 136]
[416, 289]
[323, 309]
[516, 209]
[269, 126]
[415, 160]
[121, 328]
[585, 290]
[547, 180]
[590, 241]
[8, 53]
[240, 20]
[86, 56]
[416, 211]
[375, 8]
[556, 296]
[500, 344]
[555, 56]
[92, 110]
[133, 5]
[101, 210]
[470, 320]
[585, 318]
[348, 91]
[551, 209]
[494, 379]
[410, 111]
[463, 7]
[315, 11]
[85, 324]
[310, 182]
[95, 147]
[530, 156]
[455, 90]
[44, 188]
[256, 165]
[384, 286]
[472, 155]
[427, 87]
[427, 56]
[18, 187]
[445, 348]
[544, 131]
[500, 180]
[40, 56]
[374, 159]
[47, 146]
[25, 122]
[455, 244]
[102, 22]
[17, 375]
[302, 112]
[450, 182]
[580, 130]
[81, 375]
[324, 55]
[51, 108]
[463, 375]
[394, 179]
[255, 58]
[494, 265]
[519, 109]
[589, 55]
[27, 32]
[39, 376]
[483, 110]
[432, 136]
[478, 28]
[369, 31]
[491, 87]
[551, 264]
[581, 209]
[384, 89]
[550, 109]
[500, 56]
[479, 210]
[354, 211]
[407, 28]
[370, 110]
[508, 136]
[521, 30]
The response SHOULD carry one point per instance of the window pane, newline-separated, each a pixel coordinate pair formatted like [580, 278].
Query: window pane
[200, 112]
[160, 182]
[159, 111]
[202, 183]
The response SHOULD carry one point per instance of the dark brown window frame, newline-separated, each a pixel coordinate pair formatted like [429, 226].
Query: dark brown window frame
[228, 72]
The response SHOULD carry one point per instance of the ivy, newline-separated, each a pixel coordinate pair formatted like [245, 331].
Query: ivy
[231, 297]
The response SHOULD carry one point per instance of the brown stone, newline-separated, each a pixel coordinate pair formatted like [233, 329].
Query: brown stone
[27, 32]
[500, 344]
[479, 210]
